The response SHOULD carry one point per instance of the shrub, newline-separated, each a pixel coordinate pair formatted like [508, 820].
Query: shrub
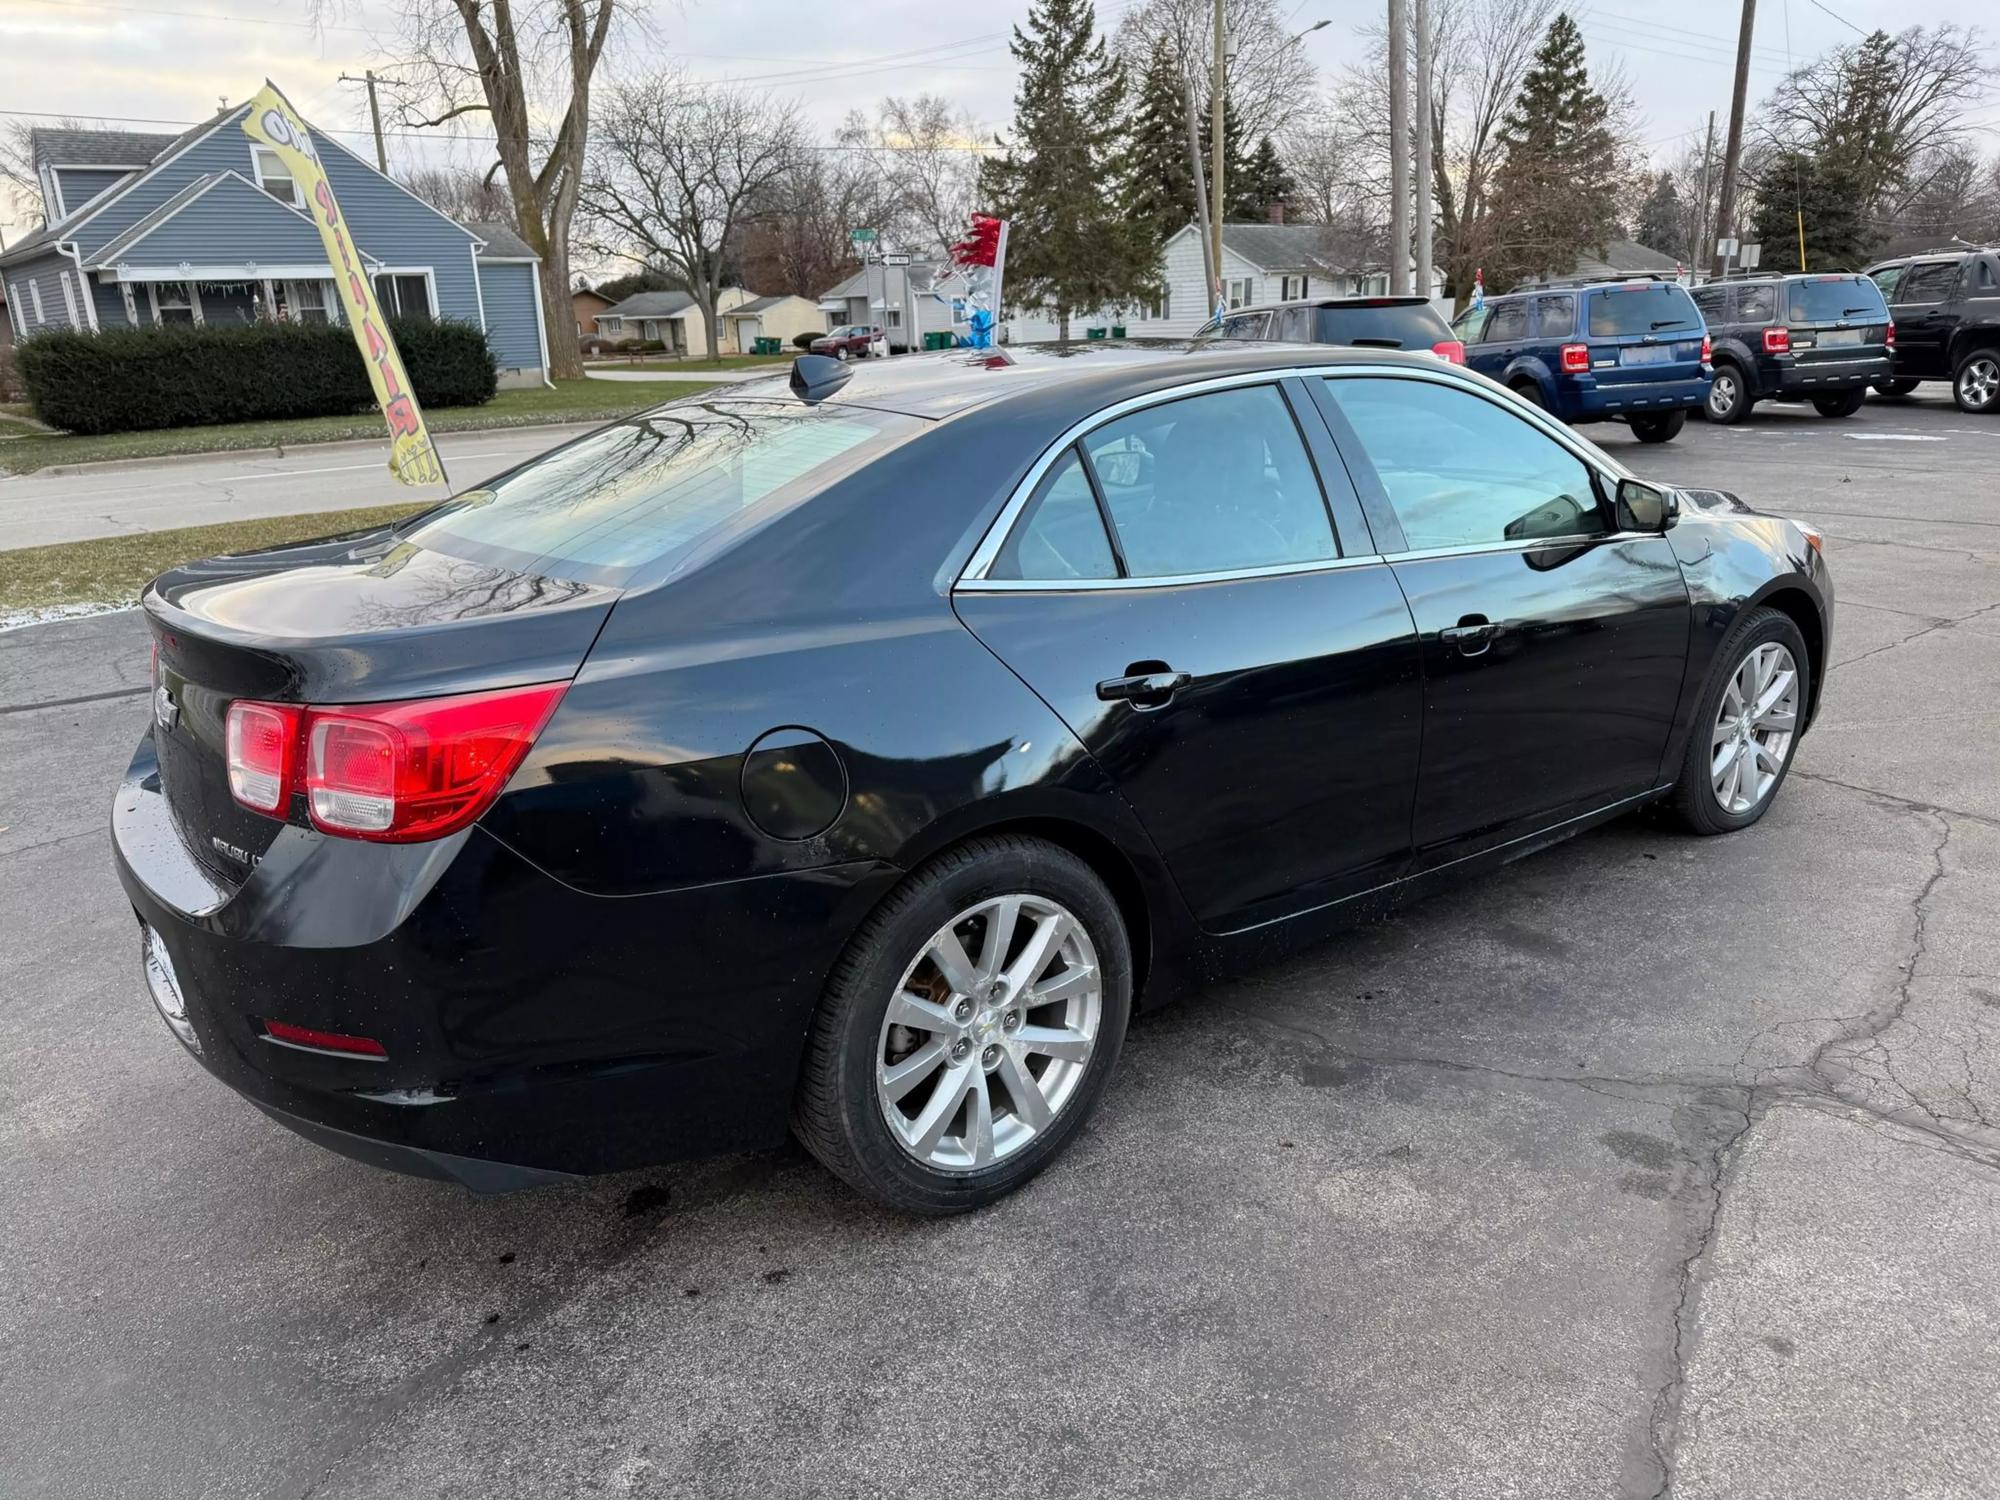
[129, 379]
[805, 340]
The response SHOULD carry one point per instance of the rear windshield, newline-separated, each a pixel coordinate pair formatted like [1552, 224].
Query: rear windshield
[1617, 310]
[656, 485]
[1411, 326]
[1828, 299]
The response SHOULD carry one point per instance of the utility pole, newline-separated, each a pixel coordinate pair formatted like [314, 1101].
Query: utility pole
[1209, 268]
[375, 114]
[1399, 148]
[1218, 100]
[1732, 153]
[1705, 232]
[1423, 172]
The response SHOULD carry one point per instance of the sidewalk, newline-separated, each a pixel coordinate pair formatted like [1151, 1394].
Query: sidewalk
[694, 372]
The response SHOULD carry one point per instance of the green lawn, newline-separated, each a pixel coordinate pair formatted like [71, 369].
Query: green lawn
[112, 569]
[570, 401]
[693, 367]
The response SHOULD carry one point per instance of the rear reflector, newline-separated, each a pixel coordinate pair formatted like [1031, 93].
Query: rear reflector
[1777, 341]
[396, 772]
[1575, 358]
[1451, 351]
[324, 1041]
[1889, 338]
[1707, 349]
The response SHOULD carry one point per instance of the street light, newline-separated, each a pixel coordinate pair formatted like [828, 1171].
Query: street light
[1316, 26]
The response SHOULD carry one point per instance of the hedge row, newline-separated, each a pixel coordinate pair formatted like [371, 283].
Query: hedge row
[128, 379]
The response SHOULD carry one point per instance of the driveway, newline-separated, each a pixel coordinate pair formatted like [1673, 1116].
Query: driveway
[1649, 1166]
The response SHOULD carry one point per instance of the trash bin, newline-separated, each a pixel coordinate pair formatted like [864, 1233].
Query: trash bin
[1118, 330]
[1093, 333]
[769, 346]
[937, 338]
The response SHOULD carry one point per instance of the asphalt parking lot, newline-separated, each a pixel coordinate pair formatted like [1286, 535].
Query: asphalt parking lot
[1651, 1166]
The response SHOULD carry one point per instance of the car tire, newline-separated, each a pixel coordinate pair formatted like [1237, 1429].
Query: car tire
[1531, 393]
[842, 354]
[1658, 426]
[1894, 389]
[1729, 399]
[966, 1037]
[1846, 404]
[1975, 384]
[1704, 800]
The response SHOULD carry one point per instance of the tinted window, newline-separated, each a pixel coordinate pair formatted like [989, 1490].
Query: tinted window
[1712, 301]
[1555, 317]
[1888, 278]
[1827, 299]
[1757, 302]
[1929, 282]
[1461, 470]
[1211, 484]
[1060, 534]
[1295, 324]
[1411, 325]
[1620, 310]
[657, 484]
[1985, 284]
[1246, 326]
[1509, 321]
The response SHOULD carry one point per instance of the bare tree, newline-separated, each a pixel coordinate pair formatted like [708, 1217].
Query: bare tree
[796, 237]
[467, 194]
[17, 169]
[528, 66]
[677, 167]
[924, 149]
[1270, 81]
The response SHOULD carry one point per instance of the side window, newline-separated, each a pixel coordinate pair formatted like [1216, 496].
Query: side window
[1246, 326]
[1295, 325]
[1469, 324]
[1711, 300]
[1211, 484]
[1460, 470]
[1889, 278]
[1930, 282]
[1509, 322]
[1757, 302]
[1060, 535]
[1555, 316]
[1984, 282]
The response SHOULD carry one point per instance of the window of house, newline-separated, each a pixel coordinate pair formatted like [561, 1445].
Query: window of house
[35, 295]
[174, 302]
[895, 317]
[69, 298]
[1460, 470]
[408, 296]
[275, 178]
[308, 301]
[1211, 484]
[1291, 287]
[1061, 534]
[1239, 291]
[15, 315]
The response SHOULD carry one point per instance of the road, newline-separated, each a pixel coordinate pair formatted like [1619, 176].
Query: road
[1648, 1166]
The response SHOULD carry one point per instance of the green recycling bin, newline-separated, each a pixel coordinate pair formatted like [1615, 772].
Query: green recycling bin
[1093, 333]
[1118, 330]
[769, 346]
[937, 338]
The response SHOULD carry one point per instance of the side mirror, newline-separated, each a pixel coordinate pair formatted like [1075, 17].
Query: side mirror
[1646, 507]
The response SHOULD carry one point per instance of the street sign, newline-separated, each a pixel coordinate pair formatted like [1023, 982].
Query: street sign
[897, 259]
[861, 236]
[1751, 255]
[1725, 246]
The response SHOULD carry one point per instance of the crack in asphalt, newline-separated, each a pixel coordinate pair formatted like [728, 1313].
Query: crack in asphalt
[1917, 635]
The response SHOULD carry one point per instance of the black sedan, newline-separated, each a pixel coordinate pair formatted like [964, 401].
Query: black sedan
[853, 754]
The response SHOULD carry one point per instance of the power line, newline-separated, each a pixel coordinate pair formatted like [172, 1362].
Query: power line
[1840, 18]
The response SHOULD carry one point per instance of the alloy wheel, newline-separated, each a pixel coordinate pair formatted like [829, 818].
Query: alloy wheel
[989, 1032]
[1979, 381]
[1754, 728]
[1722, 394]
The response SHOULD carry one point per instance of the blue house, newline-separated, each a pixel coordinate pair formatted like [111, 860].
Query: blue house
[206, 227]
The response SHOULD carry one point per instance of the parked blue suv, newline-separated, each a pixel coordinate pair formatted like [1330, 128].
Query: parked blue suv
[1630, 351]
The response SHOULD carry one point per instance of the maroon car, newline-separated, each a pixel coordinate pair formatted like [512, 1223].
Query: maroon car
[852, 342]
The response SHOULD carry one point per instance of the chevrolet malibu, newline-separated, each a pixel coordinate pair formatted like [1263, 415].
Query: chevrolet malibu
[855, 753]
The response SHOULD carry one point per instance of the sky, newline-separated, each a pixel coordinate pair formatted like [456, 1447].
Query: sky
[160, 64]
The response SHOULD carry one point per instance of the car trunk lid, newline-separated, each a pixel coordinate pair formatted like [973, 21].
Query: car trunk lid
[1643, 331]
[1837, 319]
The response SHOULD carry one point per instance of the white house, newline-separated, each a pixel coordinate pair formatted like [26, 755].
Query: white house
[898, 298]
[670, 318]
[1260, 263]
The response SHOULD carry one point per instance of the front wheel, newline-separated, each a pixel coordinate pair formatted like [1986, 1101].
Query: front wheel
[1746, 726]
[1894, 388]
[1975, 385]
[1846, 404]
[1658, 426]
[842, 354]
[1728, 396]
[970, 1028]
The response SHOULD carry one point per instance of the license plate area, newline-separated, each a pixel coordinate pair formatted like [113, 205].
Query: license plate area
[1645, 354]
[1840, 338]
[165, 988]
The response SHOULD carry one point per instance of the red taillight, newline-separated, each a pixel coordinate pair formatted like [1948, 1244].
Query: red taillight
[324, 1041]
[397, 772]
[1576, 359]
[1889, 339]
[1707, 349]
[261, 739]
[1777, 341]
[1451, 351]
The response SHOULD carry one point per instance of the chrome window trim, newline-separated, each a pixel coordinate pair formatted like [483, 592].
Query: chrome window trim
[1538, 544]
[973, 575]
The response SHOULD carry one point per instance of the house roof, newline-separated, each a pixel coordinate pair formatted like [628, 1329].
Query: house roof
[584, 291]
[650, 305]
[761, 304]
[96, 148]
[501, 243]
[923, 274]
[1298, 247]
[1622, 257]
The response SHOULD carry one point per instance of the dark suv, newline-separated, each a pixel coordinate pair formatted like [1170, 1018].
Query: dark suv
[1358, 322]
[1821, 339]
[1630, 351]
[1947, 311]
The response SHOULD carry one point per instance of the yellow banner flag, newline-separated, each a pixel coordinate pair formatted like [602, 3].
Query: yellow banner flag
[273, 122]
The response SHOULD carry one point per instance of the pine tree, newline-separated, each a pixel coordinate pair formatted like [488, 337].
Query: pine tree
[1556, 191]
[1661, 219]
[1265, 182]
[1831, 194]
[1159, 187]
[1070, 246]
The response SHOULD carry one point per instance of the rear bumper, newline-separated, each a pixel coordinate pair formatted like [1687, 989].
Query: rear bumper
[1587, 398]
[531, 1031]
[1785, 375]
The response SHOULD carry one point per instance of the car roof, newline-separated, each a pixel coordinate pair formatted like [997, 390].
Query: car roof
[1382, 301]
[1096, 372]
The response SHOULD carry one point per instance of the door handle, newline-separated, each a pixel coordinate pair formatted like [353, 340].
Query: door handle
[1472, 635]
[1146, 689]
